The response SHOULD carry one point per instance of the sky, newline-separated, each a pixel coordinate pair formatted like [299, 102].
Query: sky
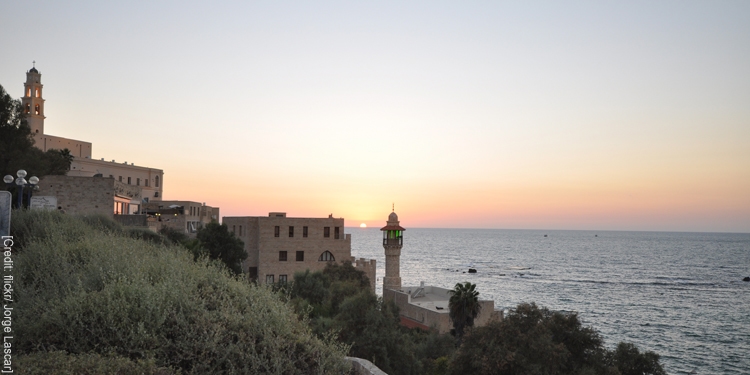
[585, 115]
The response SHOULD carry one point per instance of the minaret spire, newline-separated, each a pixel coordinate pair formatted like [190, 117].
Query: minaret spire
[393, 241]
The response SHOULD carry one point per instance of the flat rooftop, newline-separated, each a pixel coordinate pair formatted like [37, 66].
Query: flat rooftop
[428, 297]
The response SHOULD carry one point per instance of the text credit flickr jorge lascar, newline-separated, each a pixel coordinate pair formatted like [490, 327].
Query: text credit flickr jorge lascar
[7, 318]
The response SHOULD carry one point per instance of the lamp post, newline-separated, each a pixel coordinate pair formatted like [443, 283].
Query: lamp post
[20, 183]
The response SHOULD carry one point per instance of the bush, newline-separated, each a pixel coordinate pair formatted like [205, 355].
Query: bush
[630, 361]
[534, 340]
[83, 290]
[62, 363]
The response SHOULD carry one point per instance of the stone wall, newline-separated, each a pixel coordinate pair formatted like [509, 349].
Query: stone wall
[77, 148]
[80, 195]
[363, 367]
[132, 220]
[369, 267]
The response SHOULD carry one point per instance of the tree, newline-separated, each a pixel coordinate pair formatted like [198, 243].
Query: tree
[15, 135]
[630, 361]
[534, 340]
[218, 243]
[531, 340]
[464, 307]
[17, 149]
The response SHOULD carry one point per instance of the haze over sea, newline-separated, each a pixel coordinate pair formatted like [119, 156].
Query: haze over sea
[680, 295]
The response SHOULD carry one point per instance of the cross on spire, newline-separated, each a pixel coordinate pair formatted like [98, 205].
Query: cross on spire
[33, 63]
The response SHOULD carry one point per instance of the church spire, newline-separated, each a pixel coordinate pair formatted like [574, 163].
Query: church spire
[33, 102]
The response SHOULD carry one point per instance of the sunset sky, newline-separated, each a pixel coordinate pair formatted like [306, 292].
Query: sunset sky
[483, 114]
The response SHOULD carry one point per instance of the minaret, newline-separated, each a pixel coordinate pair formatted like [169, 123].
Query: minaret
[393, 240]
[33, 104]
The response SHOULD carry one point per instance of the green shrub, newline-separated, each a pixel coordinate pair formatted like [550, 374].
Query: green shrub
[148, 235]
[103, 223]
[62, 363]
[87, 290]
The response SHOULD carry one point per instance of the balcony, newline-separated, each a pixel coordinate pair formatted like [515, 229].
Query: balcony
[399, 241]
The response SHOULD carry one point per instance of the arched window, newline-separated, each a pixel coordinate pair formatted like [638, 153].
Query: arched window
[37, 92]
[36, 109]
[156, 182]
[28, 107]
[326, 257]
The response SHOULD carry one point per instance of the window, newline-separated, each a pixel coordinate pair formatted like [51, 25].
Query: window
[28, 108]
[300, 256]
[120, 179]
[276, 231]
[269, 279]
[129, 181]
[304, 231]
[282, 256]
[138, 182]
[240, 230]
[145, 182]
[156, 194]
[326, 257]
[282, 278]
[336, 232]
[37, 92]
[156, 181]
[36, 109]
[291, 231]
[327, 232]
[28, 92]
[233, 228]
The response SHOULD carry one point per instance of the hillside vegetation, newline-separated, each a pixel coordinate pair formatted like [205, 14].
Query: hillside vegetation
[91, 298]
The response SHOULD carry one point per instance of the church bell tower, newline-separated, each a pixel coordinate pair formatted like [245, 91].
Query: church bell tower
[393, 240]
[33, 104]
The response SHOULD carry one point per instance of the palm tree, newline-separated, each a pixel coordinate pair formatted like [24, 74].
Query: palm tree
[464, 307]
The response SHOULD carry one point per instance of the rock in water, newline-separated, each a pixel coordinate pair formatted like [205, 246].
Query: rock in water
[746, 279]
[472, 270]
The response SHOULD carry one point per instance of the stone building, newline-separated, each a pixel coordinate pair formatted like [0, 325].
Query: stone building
[150, 180]
[91, 195]
[426, 307]
[183, 216]
[278, 246]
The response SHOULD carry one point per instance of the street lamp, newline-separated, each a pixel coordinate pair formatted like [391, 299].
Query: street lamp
[20, 184]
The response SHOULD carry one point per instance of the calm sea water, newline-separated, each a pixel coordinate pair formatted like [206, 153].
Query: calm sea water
[680, 295]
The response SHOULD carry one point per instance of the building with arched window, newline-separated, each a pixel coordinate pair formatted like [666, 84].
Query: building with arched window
[278, 246]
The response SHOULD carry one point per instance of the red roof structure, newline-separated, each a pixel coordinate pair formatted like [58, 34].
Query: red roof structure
[409, 323]
[392, 227]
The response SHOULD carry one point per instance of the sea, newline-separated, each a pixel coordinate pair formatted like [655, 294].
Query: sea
[680, 295]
